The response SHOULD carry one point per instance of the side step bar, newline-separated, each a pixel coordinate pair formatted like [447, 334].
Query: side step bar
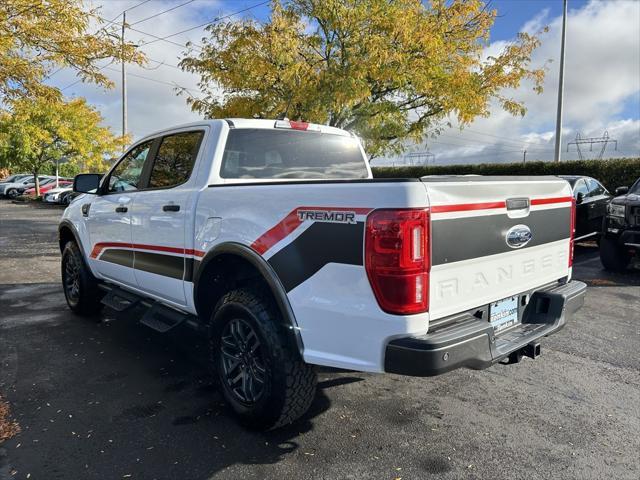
[157, 316]
[162, 319]
[119, 300]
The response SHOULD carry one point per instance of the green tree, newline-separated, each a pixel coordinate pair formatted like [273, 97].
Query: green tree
[38, 132]
[39, 36]
[390, 70]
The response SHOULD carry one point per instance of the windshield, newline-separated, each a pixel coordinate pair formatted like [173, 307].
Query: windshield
[281, 154]
[635, 188]
[12, 178]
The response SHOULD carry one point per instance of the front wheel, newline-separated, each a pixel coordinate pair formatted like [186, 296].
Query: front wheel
[12, 193]
[261, 374]
[80, 286]
[613, 256]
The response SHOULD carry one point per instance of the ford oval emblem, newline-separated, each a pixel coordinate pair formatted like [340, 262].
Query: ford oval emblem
[518, 236]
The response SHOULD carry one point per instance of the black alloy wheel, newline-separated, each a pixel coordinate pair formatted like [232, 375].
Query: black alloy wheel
[243, 363]
[71, 279]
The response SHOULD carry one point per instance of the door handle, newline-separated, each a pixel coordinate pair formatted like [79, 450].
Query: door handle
[121, 209]
[171, 208]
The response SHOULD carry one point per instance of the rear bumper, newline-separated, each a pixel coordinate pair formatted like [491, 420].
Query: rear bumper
[472, 343]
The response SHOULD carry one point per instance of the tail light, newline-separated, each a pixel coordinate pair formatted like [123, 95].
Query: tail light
[397, 259]
[572, 230]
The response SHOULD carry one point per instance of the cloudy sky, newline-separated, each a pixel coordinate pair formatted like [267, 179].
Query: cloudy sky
[602, 81]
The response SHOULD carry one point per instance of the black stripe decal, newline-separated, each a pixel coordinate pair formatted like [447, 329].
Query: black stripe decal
[318, 245]
[191, 266]
[458, 239]
[160, 264]
[118, 256]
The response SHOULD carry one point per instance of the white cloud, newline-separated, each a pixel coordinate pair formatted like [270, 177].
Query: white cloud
[152, 101]
[602, 89]
[602, 84]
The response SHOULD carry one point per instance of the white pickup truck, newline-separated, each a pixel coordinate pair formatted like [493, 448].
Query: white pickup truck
[272, 237]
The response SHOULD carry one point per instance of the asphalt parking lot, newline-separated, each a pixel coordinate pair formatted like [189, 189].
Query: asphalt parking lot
[110, 399]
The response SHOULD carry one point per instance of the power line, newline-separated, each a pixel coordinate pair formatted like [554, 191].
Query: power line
[508, 143]
[215, 20]
[135, 6]
[603, 140]
[109, 21]
[153, 80]
[79, 80]
[469, 145]
[162, 12]
[151, 35]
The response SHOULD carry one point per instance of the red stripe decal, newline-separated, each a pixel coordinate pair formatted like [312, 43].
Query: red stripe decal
[465, 207]
[547, 201]
[289, 223]
[99, 247]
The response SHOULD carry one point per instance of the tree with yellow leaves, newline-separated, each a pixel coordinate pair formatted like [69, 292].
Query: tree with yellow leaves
[392, 71]
[39, 36]
[38, 132]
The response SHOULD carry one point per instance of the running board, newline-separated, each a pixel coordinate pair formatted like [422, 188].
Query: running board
[162, 319]
[119, 300]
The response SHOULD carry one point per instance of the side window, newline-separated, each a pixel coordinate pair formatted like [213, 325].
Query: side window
[126, 176]
[580, 187]
[595, 189]
[174, 160]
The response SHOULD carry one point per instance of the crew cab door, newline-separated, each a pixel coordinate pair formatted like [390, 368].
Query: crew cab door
[159, 217]
[108, 217]
[597, 201]
[581, 193]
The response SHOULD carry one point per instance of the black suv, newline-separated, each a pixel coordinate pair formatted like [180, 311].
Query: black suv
[621, 229]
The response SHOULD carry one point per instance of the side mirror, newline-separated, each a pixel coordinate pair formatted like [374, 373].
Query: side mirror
[86, 182]
[579, 198]
[622, 190]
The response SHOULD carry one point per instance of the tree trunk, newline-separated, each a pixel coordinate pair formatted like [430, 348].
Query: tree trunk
[37, 182]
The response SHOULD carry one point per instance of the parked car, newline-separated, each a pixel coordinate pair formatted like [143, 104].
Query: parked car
[45, 186]
[15, 178]
[274, 239]
[16, 188]
[621, 229]
[55, 195]
[591, 205]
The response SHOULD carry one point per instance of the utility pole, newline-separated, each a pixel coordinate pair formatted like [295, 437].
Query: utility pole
[524, 157]
[124, 82]
[561, 84]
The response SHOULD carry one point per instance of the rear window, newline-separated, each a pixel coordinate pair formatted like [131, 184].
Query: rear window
[275, 154]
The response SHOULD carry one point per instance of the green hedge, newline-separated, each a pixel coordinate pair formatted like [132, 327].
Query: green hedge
[612, 173]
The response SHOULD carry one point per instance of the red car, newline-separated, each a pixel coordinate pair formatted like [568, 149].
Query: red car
[44, 188]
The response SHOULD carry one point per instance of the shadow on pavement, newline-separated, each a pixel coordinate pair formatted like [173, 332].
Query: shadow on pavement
[110, 398]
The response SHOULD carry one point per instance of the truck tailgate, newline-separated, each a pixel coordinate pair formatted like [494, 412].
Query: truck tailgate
[495, 237]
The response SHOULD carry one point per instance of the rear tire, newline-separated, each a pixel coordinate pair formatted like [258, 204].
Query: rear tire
[612, 255]
[80, 286]
[261, 374]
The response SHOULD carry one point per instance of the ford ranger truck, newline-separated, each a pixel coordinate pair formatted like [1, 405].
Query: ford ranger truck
[273, 239]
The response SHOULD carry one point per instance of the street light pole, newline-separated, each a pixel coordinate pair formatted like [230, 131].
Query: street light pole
[124, 83]
[561, 84]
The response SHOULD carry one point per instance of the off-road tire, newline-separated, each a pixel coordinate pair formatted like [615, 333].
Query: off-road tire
[86, 300]
[289, 384]
[613, 256]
